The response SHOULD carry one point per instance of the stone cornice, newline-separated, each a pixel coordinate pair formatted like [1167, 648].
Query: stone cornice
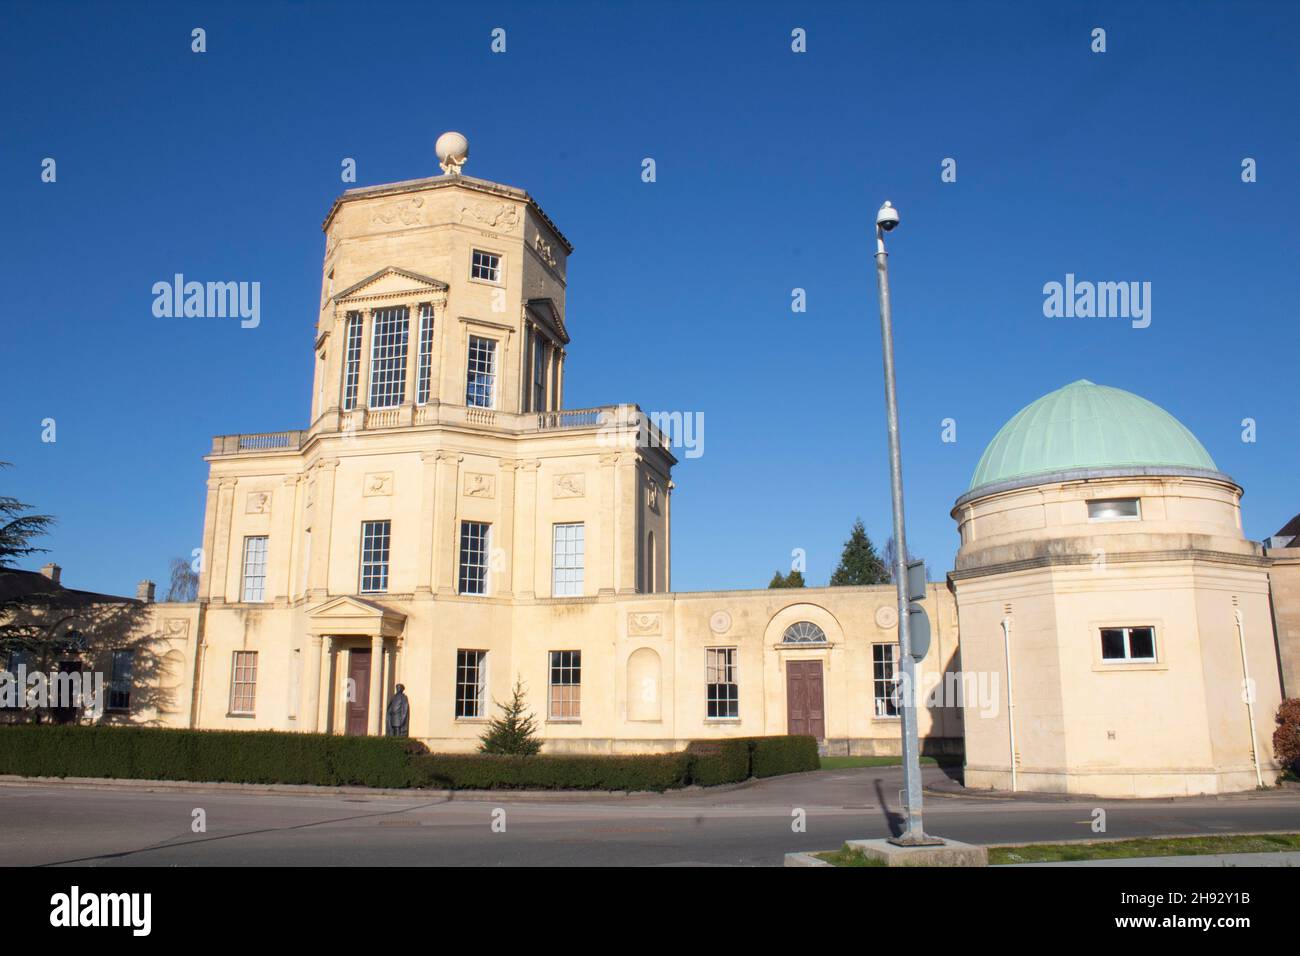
[1118, 557]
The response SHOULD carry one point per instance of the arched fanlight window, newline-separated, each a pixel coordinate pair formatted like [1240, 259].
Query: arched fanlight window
[804, 632]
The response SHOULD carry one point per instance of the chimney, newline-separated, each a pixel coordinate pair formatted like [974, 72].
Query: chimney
[144, 591]
[52, 571]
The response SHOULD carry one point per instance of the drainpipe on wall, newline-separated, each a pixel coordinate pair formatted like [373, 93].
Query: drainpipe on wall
[1011, 701]
[1248, 692]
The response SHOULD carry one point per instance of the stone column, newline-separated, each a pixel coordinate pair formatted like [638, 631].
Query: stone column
[559, 380]
[668, 535]
[628, 544]
[407, 413]
[608, 524]
[220, 556]
[284, 510]
[445, 533]
[376, 720]
[322, 522]
[367, 319]
[208, 545]
[524, 560]
[505, 577]
[325, 690]
[311, 686]
[425, 545]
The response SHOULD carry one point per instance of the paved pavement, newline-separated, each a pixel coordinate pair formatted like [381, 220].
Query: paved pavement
[53, 824]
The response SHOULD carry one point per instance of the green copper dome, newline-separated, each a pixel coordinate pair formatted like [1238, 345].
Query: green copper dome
[1087, 427]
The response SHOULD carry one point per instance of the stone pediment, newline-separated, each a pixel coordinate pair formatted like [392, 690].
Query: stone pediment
[546, 311]
[393, 283]
[355, 616]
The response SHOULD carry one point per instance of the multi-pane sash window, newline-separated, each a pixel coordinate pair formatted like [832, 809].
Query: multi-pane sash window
[481, 374]
[352, 362]
[255, 568]
[884, 678]
[119, 684]
[1128, 643]
[566, 685]
[424, 355]
[471, 683]
[473, 557]
[720, 680]
[243, 682]
[485, 265]
[567, 568]
[388, 357]
[374, 555]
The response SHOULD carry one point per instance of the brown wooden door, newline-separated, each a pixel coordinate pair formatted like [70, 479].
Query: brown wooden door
[805, 708]
[359, 705]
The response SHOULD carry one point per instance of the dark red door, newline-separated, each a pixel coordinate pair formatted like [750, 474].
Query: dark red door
[359, 683]
[805, 709]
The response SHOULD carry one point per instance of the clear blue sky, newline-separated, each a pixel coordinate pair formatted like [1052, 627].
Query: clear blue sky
[1124, 165]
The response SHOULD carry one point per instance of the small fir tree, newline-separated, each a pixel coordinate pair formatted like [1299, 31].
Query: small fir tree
[859, 563]
[514, 732]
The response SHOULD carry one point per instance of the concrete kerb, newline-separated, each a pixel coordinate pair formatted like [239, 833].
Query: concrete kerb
[410, 793]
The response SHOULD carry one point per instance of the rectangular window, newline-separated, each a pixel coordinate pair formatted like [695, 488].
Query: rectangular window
[1115, 509]
[567, 567]
[1128, 643]
[352, 362]
[566, 685]
[884, 679]
[424, 356]
[471, 683]
[388, 357]
[481, 374]
[255, 568]
[486, 265]
[374, 556]
[119, 684]
[243, 682]
[720, 679]
[473, 557]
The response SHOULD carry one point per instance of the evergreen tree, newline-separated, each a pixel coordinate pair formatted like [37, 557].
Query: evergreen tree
[513, 733]
[792, 580]
[859, 563]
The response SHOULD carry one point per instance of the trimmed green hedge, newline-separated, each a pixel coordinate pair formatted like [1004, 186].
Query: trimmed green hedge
[224, 756]
[551, 772]
[149, 753]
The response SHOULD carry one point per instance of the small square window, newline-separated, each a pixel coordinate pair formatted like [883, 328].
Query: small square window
[485, 266]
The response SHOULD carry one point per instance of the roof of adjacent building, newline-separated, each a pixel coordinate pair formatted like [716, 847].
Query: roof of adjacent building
[34, 588]
[1089, 428]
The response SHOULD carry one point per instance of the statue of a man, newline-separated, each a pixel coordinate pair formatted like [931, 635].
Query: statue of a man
[399, 713]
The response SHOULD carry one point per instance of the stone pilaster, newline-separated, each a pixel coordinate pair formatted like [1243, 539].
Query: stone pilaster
[446, 538]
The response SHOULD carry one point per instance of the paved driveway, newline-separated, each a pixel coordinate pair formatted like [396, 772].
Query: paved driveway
[749, 826]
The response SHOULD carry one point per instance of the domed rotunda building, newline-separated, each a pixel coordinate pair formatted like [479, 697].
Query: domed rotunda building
[1104, 578]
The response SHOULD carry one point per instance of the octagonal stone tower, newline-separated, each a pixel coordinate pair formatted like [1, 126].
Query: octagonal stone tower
[1104, 578]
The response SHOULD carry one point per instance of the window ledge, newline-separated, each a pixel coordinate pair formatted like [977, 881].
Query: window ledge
[243, 713]
[1130, 666]
[721, 720]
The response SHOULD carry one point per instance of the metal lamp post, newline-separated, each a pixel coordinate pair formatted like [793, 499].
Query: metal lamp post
[914, 834]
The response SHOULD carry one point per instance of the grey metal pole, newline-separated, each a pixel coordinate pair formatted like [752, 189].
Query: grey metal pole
[914, 832]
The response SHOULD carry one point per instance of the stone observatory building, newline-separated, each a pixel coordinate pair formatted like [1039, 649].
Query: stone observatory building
[1104, 575]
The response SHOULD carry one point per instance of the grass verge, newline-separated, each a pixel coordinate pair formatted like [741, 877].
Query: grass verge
[1153, 846]
[848, 763]
[849, 856]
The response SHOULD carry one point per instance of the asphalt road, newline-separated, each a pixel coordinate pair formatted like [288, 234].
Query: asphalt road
[751, 826]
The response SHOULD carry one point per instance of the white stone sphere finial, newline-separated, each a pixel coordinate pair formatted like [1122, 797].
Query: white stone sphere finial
[452, 149]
